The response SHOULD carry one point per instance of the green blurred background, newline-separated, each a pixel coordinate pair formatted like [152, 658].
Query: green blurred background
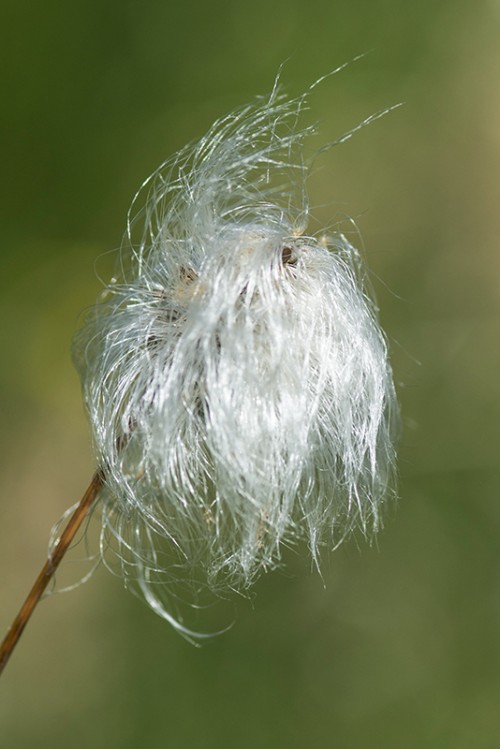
[401, 648]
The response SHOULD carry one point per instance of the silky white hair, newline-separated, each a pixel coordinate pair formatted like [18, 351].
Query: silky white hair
[234, 371]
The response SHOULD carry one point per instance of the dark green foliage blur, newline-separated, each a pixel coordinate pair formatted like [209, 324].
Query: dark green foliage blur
[399, 644]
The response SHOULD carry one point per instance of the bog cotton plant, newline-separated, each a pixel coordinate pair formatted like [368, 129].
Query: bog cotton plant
[234, 371]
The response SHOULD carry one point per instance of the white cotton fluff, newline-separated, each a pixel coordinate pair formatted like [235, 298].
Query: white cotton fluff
[235, 373]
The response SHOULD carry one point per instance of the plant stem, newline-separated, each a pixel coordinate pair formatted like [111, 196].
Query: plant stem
[55, 556]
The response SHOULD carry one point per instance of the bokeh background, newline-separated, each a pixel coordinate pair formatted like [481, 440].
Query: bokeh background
[400, 647]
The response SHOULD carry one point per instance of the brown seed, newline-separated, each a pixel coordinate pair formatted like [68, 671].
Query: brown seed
[187, 274]
[288, 256]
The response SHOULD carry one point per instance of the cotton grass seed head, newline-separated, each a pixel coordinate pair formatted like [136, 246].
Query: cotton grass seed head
[234, 370]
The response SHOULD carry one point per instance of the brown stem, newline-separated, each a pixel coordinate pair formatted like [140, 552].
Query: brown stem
[49, 568]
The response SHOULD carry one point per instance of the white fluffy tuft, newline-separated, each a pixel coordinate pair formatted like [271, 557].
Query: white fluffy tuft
[235, 373]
